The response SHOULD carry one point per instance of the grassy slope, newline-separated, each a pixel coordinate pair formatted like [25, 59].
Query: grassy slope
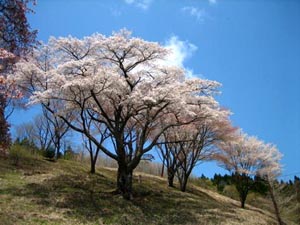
[63, 192]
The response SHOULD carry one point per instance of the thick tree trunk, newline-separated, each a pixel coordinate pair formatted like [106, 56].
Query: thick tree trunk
[243, 185]
[243, 200]
[171, 175]
[243, 193]
[124, 182]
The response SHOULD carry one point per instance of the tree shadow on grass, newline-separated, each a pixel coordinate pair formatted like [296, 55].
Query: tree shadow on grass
[30, 166]
[87, 197]
[76, 193]
[171, 206]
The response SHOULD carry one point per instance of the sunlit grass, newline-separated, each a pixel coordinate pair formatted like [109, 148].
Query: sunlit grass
[64, 192]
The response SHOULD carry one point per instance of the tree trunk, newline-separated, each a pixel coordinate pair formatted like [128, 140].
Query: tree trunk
[57, 145]
[162, 169]
[183, 178]
[242, 184]
[93, 166]
[277, 212]
[297, 190]
[183, 183]
[4, 128]
[243, 192]
[171, 175]
[94, 159]
[124, 182]
[93, 163]
[243, 200]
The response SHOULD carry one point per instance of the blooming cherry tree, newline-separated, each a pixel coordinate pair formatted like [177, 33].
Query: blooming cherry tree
[8, 93]
[16, 40]
[246, 156]
[119, 82]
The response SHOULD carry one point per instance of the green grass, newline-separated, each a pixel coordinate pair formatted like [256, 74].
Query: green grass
[63, 192]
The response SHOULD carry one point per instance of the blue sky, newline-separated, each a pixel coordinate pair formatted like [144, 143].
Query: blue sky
[251, 47]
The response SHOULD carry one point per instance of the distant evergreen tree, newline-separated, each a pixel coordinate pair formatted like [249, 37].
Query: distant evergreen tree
[49, 153]
[260, 186]
[221, 181]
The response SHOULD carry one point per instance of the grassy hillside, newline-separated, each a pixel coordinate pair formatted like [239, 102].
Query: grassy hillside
[63, 192]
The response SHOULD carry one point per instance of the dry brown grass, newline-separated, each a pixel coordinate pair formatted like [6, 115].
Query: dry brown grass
[64, 192]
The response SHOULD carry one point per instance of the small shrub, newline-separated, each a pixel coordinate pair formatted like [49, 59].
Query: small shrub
[69, 154]
[49, 153]
[231, 192]
[18, 153]
[203, 182]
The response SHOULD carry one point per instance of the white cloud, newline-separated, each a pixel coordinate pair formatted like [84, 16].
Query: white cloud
[142, 4]
[212, 2]
[199, 14]
[180, 52]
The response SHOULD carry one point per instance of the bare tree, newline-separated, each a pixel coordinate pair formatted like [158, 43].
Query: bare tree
[100, 132]
[192, 152]
[269, 172]
[188, 145]
[169, 158]
[25, 131]
[271, 188]
[56, 127]
[44, 131]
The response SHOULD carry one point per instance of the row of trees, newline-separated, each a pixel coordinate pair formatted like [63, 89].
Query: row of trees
[287, 193]
[245, 157]
[182, 148]
[48, 132]
[120, 90]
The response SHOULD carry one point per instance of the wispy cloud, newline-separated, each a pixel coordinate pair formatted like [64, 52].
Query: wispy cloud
[212, 2]
[198, 13]
[142, 4]
[180, 52]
